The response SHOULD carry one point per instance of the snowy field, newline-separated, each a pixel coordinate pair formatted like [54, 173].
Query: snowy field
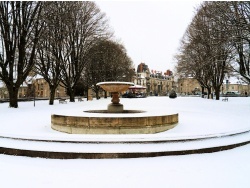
[197, 117]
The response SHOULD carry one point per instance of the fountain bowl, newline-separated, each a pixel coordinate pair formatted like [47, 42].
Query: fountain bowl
[115, 86]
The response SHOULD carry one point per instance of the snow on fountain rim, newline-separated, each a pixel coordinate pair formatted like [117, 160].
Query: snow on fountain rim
[115, 82]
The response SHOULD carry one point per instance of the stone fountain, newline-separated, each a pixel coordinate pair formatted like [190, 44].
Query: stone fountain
[114, 120]
[115, 88]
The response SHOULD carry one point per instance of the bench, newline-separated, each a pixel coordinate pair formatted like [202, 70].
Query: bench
[225, 99]
[80, 99]
[62, 101]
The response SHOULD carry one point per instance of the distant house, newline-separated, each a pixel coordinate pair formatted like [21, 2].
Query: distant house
[156, 82]
[42, 89]
[188, 86]
[37, 86]
[235, 84]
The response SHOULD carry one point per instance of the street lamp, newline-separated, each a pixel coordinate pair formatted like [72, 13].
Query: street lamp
[34, 92]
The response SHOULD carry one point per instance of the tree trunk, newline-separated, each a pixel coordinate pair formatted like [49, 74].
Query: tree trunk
[97, 94]
[208, 92]
[52, 95]
[217, 93]
[13, 96]
[71, 94]
[87, 94]
[202, 92]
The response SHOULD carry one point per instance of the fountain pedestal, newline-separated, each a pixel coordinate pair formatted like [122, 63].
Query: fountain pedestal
[115, 106]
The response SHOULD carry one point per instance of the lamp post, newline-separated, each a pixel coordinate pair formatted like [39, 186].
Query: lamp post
[34, 92]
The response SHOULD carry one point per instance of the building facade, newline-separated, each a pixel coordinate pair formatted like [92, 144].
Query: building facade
[42, 89]
[155, 82]
[38, 86]
[188, 86]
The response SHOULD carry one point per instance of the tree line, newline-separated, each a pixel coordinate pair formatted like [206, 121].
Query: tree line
[216, 44]
[67, 43]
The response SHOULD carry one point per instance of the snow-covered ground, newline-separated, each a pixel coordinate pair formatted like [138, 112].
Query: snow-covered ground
[197, 117]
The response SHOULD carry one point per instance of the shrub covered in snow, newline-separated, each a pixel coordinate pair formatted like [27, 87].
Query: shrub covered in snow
[172, 94]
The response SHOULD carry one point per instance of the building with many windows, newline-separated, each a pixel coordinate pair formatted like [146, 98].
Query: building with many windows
[188, 86]
[38, 86]
[155, 82]
[235, 84]
[43, 91]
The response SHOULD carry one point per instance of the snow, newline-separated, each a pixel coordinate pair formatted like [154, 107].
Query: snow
[198, 118]
[115, 82]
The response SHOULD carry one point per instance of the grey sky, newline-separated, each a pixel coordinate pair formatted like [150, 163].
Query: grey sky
[150, 30]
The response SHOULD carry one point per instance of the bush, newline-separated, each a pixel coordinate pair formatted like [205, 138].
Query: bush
[172, 94]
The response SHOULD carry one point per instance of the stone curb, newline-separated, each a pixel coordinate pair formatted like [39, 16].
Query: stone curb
[113, 155]
[68, 155]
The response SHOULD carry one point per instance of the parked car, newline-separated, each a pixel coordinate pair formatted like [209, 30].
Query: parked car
[232, 94]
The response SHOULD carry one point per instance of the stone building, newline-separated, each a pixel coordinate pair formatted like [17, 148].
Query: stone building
[156, 82]
[235, 84]
[42, 89]
[188, 86]
[38, 86]
[160, 84]
[22, 92]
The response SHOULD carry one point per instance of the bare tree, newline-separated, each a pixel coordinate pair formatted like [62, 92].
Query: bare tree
[19, 32]
[83, 23]
[107, 61]
[207, 50]
[50, 54]
[195, 53]
[220, 42]
[238, 18]
[233, 19]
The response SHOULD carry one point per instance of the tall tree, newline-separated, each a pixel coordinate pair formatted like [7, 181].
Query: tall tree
[19, 32]
[207, 48]
[219, 40]
[107, 61]
[236, 16]
[50, 54]
[83, 23]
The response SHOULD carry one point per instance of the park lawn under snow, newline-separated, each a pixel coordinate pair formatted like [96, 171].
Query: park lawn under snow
[196, 117]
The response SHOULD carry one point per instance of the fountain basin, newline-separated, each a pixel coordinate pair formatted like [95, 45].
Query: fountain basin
[114, 120]
[113, 125]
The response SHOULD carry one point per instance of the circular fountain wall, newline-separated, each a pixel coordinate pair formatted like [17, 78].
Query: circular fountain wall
[113, 125]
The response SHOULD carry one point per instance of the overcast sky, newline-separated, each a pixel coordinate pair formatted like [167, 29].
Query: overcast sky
[150, 30]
